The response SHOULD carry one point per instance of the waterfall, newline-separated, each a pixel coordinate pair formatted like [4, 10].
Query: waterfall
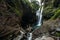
[39, 15]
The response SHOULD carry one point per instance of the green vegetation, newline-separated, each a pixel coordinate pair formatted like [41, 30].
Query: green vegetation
[21, 5]
[56, 15]
[51, 9]
[57, 34]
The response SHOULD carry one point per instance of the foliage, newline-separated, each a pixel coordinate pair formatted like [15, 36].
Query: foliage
[15, 6]
[51, 11]
[18, 6]
[34, 6]
[57, 34]
[57, 14]
[48, 13]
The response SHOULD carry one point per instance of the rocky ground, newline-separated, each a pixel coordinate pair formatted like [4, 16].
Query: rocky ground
[44, 38]
[48, 28]
[47, 31]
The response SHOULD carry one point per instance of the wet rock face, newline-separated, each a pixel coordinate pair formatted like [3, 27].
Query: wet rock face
[28, 19]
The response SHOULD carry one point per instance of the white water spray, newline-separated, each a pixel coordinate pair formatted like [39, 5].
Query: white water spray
[29, 1]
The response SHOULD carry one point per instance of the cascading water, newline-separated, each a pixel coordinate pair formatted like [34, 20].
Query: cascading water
[39, 15]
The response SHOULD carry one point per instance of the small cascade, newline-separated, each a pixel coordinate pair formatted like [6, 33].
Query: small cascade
[29, 36]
